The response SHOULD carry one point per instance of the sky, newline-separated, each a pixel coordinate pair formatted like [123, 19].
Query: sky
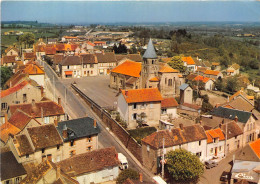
[86, 12]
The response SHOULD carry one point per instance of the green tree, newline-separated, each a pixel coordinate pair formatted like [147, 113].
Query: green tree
[128, 173]
[177, 63]
[28, 39]
[183, 166]
[232, 84]
[6, 73]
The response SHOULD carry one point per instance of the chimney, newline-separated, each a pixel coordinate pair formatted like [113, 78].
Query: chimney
[95, 123]
[58, 173]
[236, 119]
[56, 122]
[65, 132]
[59, 101]
[141, 177]
[42, 93]
[181, 126]
[6, 118]
[126, 93]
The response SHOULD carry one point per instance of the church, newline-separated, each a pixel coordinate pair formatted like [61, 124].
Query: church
[150, 73]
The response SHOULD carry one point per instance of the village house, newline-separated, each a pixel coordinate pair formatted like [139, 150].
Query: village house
[12, 51]
[79, 66]
[16, 124]
[140, 105]
[191, 138]
[189, 63]
[44, 112]
[233, 69]
[242, 94]
[213, 74]
[11, 170]
[126, 75]
[216, 65]
[96, 166]
[28, 56]
[50, 50]
[39, 48]
[132, 57]
[51, 40]
[207, 83]
[106, 62]
[37, 144]
[169, 109]
[186, 94]
[244, 119]
[79, 136]
[69, 39]
[254, 90]
[99, 43]
[215, 144]
[57, 59]
[9, 61]
[246, 164]
[48, 172]
[21, 93]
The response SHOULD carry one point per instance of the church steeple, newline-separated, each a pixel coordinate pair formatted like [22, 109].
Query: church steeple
[150, 51]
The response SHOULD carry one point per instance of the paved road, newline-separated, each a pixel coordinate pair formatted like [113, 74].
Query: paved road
[77, 108]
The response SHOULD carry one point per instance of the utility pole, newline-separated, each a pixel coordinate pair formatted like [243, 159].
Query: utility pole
[163, 160]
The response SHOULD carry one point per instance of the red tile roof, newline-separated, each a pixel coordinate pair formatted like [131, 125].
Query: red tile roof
[256, 147]
[214, 133]
[14, 89]
[40, 48]
[6, 130]
[93, 161]
[169, 102]
[154, 79]
[50, 50]
[212, 72]
[129, 68]
[9, 59]
[142, 95]
[33, 69]
[188, 60]
[29, 55]
[60, 47]
[90, 43]
[73, 47]
[168, 69]
[201, 78]
[45, 108]
[230, 70]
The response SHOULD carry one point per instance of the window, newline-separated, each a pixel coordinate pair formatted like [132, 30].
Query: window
[27, 155]
[75, 72]
[134, 116]
[199, 143]
[114, 78]
[220, 147]
[134, 106]
[17, 180]
[251, 126]
[215, 140]
[58, 147]
[46, 120]
[121, 82]
[165, 80]
[68, 67]
[89, 148]
[211, 150]
[24, 98]
[4, 106]
[91, 72]
[85, 72]
[17, 102]
[198, 154]
[142, 105]
[170, 82]
[84, 66]
[247, 127]
[254, 125]
[164, 111]
[43, 150]
[89, 139]
[91, 65]
[72, 143]
[148, 148]
[49, 157]
[152, 61]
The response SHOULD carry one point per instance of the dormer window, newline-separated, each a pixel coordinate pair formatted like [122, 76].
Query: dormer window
[72, 143]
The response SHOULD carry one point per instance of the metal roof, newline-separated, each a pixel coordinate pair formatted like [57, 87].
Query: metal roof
[184, 86]
[150, 51]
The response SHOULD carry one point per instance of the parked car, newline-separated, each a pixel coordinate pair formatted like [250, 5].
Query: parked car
[225, 176]
[210, 164]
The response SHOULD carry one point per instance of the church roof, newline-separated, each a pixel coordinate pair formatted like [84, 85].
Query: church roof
[150, 51]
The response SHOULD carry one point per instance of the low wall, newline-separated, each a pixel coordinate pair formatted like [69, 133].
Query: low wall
[129, 142]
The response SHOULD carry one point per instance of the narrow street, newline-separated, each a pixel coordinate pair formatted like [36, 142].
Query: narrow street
[76, 108]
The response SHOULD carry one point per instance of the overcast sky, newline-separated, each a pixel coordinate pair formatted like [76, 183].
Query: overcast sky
[126, 11]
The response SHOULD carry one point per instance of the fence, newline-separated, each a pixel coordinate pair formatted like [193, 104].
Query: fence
[130, 143]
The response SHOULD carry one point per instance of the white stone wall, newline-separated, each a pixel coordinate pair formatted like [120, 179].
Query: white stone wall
[211, 148]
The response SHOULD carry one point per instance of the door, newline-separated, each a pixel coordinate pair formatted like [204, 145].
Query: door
[216, 151]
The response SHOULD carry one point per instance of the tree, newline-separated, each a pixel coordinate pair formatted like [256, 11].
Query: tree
[183, 166]
[232, 84]
[6, 73]
[177, 63]
[141, 119]
[28, 39]
[128, 173]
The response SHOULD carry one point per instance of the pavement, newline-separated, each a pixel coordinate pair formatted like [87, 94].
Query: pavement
[76, 108]
[97, 88]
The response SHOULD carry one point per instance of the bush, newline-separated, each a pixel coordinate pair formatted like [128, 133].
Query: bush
[139, 133]
[128, 173]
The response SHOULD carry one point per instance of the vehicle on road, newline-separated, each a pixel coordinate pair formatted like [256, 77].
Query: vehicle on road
[225, 176]
[210, 164]
[123, 161]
